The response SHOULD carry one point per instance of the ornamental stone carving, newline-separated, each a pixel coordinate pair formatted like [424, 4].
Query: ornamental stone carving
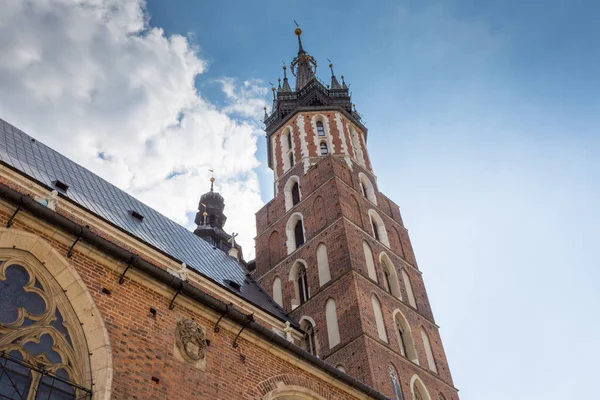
[190, 341]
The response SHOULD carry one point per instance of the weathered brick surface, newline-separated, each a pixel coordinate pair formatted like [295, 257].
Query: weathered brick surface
[143, 345]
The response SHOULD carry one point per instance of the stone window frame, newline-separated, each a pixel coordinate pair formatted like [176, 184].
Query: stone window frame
[416, 381]
[368, 187]
[293, 277]
[317, 345]
[394, 283]
[378, 224]
[36, 249]
[291, 234]
[289, 200]
[399, 320]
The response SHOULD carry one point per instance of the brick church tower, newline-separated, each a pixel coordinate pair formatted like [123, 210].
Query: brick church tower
[332, 249]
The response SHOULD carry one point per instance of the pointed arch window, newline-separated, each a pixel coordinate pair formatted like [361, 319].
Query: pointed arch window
[309, 342]
[395, 382]
[299, 233]
[323, 147]
[320, 129]
[295, 193]
[405, 340]
[378, 227]
[289, 140]
[362, 189]
[302, 284]
[295, 232]
[366, 187]
[291, 157]
[43, 350]
[388, 283]
[375, 229]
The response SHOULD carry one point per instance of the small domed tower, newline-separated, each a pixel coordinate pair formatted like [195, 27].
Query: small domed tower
[210, 219]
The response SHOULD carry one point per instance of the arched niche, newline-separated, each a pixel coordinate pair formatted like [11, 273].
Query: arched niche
[58, 316]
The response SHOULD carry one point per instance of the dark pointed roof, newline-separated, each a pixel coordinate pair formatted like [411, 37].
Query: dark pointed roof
[40, 163]
[335, 85]
[304, 66]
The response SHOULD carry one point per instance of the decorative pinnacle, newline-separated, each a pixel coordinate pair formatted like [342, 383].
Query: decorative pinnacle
[284, 72]
[279, 83]
[298, 33]
[331, 68]
[212, 183]
[273, 90]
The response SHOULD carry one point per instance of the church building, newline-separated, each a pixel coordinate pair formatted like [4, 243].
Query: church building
[102, 297]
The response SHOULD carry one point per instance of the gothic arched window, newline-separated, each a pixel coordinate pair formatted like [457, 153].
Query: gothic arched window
[378, 227]
[302, 284]
[299, 234]
[295, 232]
[406, 343]
[324, 149]
[366, 187]
[309, 342]
[295, 194]
[320, 129]
[391, 276]
[43, 351]
[395, 382]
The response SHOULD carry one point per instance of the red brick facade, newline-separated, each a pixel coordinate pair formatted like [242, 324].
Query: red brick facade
[335, 212]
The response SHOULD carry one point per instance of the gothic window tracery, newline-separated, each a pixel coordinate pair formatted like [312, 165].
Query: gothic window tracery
[42, 348]
[395, 382]
[309, 341]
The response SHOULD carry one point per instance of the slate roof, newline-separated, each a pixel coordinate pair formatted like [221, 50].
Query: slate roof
[36, 160]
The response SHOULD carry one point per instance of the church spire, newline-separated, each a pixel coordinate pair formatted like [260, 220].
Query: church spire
[334, 82]
[286, 85]
[304, 65]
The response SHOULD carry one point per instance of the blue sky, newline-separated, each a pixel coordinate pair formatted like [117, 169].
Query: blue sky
[484, 122]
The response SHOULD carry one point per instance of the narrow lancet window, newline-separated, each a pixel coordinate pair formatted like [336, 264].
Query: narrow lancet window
[324, 149]
[320, 129]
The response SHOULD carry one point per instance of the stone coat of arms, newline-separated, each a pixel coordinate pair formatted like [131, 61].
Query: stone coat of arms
[190, 339]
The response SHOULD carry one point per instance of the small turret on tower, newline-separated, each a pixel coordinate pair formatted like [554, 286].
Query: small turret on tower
[210, 220]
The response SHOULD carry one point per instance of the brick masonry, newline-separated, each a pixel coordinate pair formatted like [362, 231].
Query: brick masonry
[335, 213]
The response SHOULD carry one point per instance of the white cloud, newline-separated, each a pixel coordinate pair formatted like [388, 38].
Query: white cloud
[93, 80]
